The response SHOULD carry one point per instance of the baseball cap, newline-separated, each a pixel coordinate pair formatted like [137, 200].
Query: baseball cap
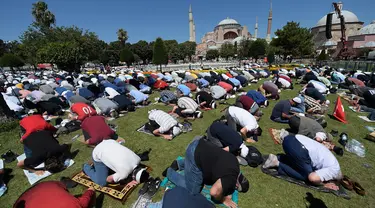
[297, 100]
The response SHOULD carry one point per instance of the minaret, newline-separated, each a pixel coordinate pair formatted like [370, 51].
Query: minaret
[268, 38]
[191, 26]
[194, 38]
[256, 28]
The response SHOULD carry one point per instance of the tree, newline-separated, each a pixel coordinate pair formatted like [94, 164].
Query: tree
[258, 48]
[235, 48]
[323, 56]
[293, 40]
[227, 50]
[2, 48]
[188, 49]
[11, 60]
[176, 54]
[44, 19]
[143, 50]
[212, 54]
[244, 48]
[122, 36]
[137, 59]
[127, 56]
[160, 55]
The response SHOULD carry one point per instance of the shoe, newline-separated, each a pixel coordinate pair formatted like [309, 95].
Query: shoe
[153, 188]
[3, 189]
[334, 133]
[343, 139]
[174, 166]
[69, 183]
[145, 186]
[359, 189]
[271, 162]
[347, 183]
[199, 114]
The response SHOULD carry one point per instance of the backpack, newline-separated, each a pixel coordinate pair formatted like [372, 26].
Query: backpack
[254, 158]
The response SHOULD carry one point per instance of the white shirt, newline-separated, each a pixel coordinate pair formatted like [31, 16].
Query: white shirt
[165, 121]
[118, 158]
[111, 92]
[284, 82]
[12, 102]
[243, 118]
[323, 161]
[321, 87]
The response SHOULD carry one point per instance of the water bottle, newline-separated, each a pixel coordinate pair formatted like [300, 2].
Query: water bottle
[355, 147]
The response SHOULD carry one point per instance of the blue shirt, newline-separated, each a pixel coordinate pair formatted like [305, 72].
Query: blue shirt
[256, 96]
[184, 89]
[203, 82]
[168, 78]
[180, 197]
[60, 90]
[138, 96]
[84, 92]
[235, 81]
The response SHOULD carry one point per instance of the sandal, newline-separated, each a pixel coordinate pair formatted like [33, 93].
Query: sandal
[359, 189]
[347, 183]
[145, 186]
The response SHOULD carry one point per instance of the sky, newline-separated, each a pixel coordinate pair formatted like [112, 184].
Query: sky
[168, 19]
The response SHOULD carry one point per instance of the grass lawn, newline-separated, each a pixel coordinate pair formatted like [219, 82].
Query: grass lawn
[265, 191]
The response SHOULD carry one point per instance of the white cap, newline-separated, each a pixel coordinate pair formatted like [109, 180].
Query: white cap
[244, 150]
[176, 131]
[225, 76]
[328, 102]
[297, 100]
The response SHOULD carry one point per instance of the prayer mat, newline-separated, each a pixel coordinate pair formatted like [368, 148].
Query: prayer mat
[120, 191]
[167, 184]
[275, 134]
[32, 177]
[143, 129]
[273, 172]
[365, 119]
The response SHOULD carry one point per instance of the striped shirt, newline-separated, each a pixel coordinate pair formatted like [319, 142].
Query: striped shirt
[311, 103]
[165, 121]
[187, 103]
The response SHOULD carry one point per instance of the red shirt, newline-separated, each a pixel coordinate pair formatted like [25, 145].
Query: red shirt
[225, 85]
[246, 101]
[53, 194]
[83, 110]
[286, 78]
[160, 84]
[35, 123]
[357, 82]
[191, 86]
[229, 75]
[97, 128]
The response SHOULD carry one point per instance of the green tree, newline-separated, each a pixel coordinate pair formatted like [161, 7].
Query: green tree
[294, 40]
[122, 36]
[160, 55]
[244, 49]
[2, 47]
[271, 57]
[137, 59]
[258, 48]
[212, 54]
[127, 56]
[169, 45]
[143, 50]
[11, 60]
[235, 48]
[175, 54]
[43, 18]
[188, 49]
[227, 50]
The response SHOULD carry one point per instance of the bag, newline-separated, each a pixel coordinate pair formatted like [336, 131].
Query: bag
[254, 158]
[72, 126]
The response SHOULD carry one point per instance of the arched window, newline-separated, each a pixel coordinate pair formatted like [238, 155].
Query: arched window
[230, 35]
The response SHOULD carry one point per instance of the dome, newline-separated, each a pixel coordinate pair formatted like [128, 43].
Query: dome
[213, 48]
[239, 39]
[369, 29]
[228, 21]
[349, 18]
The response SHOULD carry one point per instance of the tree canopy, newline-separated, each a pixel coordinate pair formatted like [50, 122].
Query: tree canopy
[43, 18]
[212, 54]
[143, 50]
[127, 56]
[227, 50]
[293, 40]
[10, 60]
[258, 48]
[244, 48]
[122, 36]
[188, 49]
[160, 55]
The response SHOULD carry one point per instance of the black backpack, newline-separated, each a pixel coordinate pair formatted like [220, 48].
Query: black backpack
[254, 158]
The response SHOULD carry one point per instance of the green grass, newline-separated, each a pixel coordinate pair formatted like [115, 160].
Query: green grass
[265, 191]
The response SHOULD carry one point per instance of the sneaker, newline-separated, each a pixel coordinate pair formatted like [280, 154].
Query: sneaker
[153, 188]
[199, 114]
[271, 162]
[3, 189]
[145, 186]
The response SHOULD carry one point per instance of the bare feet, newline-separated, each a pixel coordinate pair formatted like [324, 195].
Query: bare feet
[331, 186]
[168, 137]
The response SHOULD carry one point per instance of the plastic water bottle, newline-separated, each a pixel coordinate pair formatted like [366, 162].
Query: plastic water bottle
[355, 147]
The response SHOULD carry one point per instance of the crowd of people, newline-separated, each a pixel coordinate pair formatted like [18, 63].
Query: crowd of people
[89, 100]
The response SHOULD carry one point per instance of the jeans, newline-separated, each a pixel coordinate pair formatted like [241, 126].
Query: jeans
[193, 179]
[296, 161]
[371, 116]
[98, 172]
[300, 108]
[27, 151]
[280, 120]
